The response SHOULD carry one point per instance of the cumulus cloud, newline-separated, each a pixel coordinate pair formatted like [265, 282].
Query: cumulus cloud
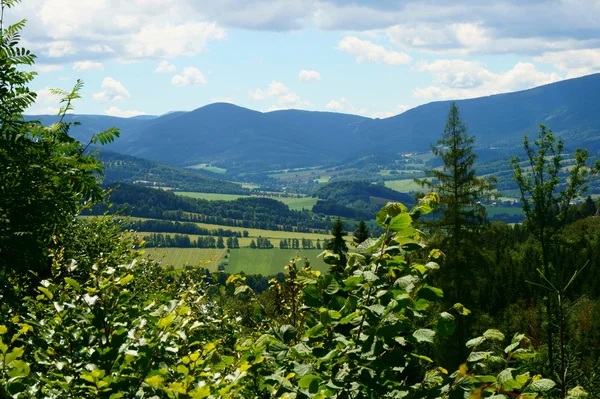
[165, 67]
[386, 114]
[274, 89]
[284, 96]
[366, 51]
[87, 66]
[309, 76]
[113, 91]
[575, 62]
[190, 76]
[45, 68]
[457, 79]
[345, 106]
[169, 40]
[114, 111]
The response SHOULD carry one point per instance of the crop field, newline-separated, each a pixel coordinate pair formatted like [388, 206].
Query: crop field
[292, 202]
[179, 257]
[404, 185]
[210, 196]
[250, 261]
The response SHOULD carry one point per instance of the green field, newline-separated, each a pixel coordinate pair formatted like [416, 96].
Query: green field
[292, 202]
[404, 185]
[250, 261]
[210, 196]
[179, 257]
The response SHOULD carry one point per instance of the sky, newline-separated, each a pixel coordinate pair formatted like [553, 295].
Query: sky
[375, 58]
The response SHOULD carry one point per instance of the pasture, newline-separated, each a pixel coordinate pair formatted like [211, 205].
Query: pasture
[250, 261]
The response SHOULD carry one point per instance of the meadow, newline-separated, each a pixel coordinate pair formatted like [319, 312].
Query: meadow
[250, 261]
[292, 202]
[403, 185]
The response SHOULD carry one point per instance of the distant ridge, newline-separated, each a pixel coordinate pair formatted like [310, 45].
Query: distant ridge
[244, 140]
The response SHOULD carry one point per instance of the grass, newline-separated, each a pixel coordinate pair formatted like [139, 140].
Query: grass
[268, 261]
[293, 203]
[179, 257]
[210, 196]
[250, 261]
[404, 185]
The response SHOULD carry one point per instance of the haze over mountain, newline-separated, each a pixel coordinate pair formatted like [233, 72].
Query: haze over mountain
[237, 137]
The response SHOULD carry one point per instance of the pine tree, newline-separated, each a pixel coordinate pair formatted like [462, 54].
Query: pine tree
[337, 244]
[462, 215]
[456, 183]
[361, 233]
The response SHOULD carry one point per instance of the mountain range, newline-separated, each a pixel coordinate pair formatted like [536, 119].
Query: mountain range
[242, 139]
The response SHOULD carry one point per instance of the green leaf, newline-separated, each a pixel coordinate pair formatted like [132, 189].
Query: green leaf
[14, 355]
[477, 356]
[430, 293]
[201, 392]
[46, 292]
[542, 385]
[474, 342]
[126, 279]
[333, 287]
[493, 335]
[459, 307]
[3, 329]
[446, 324]
[302, 369]
[73, 283]
[310, 382]
[400, 222]
[424, 335]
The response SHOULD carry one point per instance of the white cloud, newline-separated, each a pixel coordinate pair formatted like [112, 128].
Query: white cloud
[59, 49]
[165, 67]
[285, 97]
[87, 66]
[343, 105]
[170, 40]
[309, 76]
[275, 89]
[190, 76]
[45, 97]
[575, 62]
[114, 111]
[44, 111]
[457, 79]
[366, 51]
[113, 91]
[45, 68]
[386, 114]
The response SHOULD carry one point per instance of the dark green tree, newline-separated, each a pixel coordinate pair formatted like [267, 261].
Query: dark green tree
[337, 244]
[456, 182]
[547, 194]
[220, 243]
[461, 215]
[361, 233]
[252, 244]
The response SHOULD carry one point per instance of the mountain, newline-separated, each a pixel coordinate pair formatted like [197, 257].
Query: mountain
[243, 140]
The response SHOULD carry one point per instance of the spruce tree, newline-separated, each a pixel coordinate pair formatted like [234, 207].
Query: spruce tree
[361, 233]
[456, 183]
[462, 215]
[337, 244]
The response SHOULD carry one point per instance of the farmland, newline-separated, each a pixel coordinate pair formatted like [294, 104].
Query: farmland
[250, 261]
[295, 203]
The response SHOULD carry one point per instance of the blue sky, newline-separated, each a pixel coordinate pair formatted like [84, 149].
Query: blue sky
[374, 58]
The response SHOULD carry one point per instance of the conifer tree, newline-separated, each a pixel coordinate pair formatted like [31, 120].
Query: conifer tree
[361, 233]
[456, 183]
[337, 244]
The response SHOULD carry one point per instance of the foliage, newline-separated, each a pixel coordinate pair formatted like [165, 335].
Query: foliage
[47, 177]
[547, 205]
